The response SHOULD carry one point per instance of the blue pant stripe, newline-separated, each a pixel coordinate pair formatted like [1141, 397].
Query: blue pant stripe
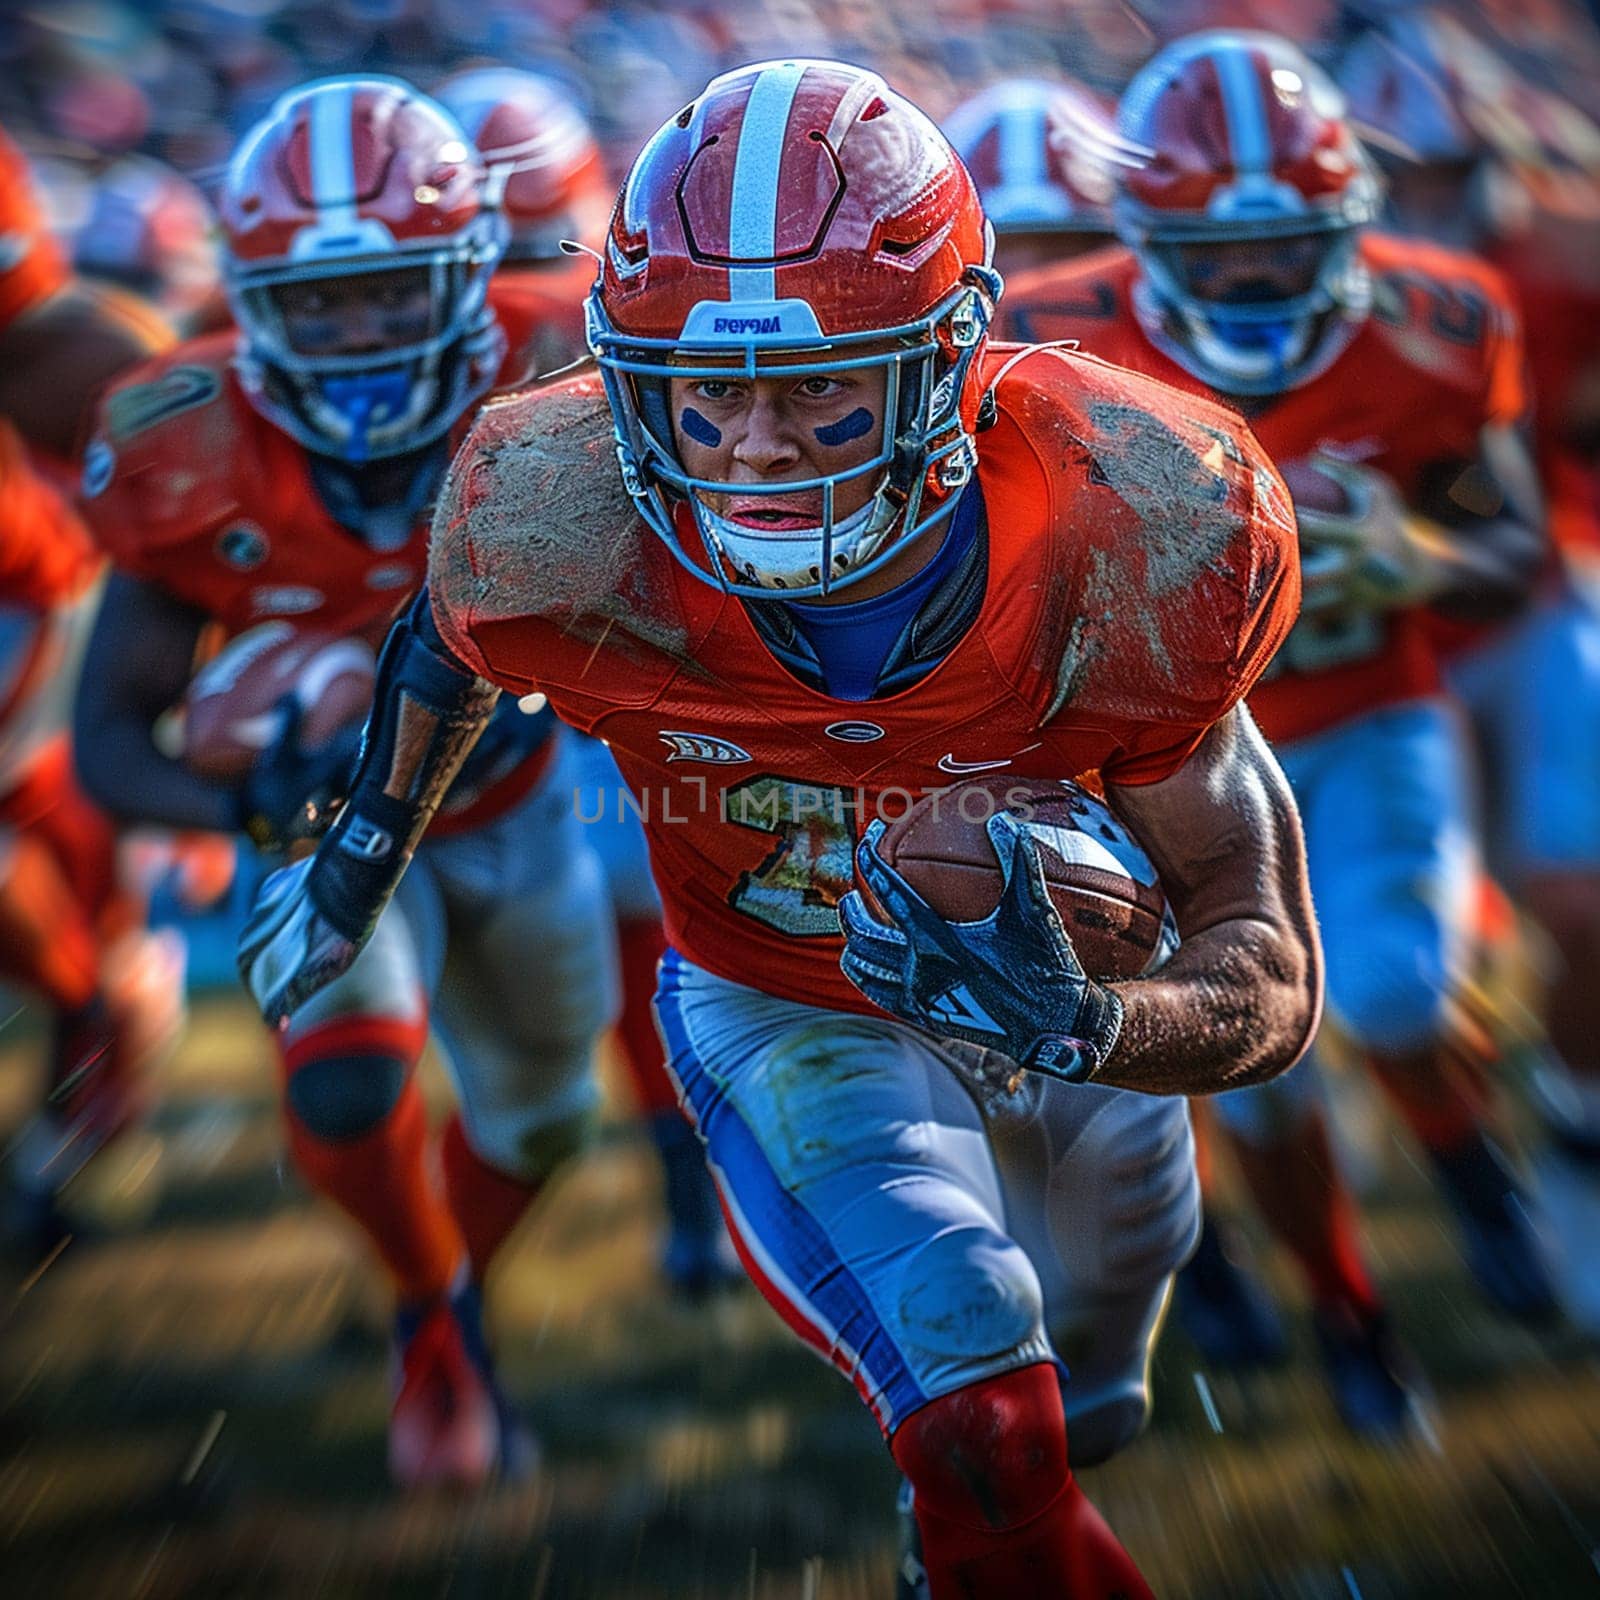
[810, 1276]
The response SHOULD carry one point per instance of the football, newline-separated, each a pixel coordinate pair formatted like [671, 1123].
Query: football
[1101, 883]
[1313, 487]
[230, 714]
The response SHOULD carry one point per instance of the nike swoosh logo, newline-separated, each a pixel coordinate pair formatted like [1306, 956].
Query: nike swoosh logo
[950, 764]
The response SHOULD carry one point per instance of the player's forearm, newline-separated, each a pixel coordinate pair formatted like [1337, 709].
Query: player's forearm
[1489, 569]
[137, 663]
[428, 711]
[1240, 1000]
[121, 770]
[1237, 1005]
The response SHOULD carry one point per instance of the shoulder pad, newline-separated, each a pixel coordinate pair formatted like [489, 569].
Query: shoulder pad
[1451, 296]
[1184, 537]
[150, 470]
[534, 523]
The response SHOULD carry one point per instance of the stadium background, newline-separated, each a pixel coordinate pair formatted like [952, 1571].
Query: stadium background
[193, 1402]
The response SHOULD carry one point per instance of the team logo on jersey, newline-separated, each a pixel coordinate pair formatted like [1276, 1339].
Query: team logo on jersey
[286, 600]
[854, 732]
[243, 546]
[948, 763]
[143, 405]
[99, 464]
[702, 747]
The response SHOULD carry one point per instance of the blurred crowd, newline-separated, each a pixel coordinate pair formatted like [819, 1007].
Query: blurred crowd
[130, 111]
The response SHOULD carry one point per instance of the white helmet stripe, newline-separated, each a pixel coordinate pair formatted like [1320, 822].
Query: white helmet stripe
[1021, 134]
[1246, 114]
[333, 163]
[753, 211]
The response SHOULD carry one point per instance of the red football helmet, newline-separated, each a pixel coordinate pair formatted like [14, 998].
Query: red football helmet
[362, 178]
[1041, 154]
[1246, 214]
[531, 134]
[798, 209]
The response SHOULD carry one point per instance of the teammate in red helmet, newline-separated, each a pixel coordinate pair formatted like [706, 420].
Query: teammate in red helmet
[285, 471]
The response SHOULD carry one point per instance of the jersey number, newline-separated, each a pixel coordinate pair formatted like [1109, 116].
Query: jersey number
[797, 888]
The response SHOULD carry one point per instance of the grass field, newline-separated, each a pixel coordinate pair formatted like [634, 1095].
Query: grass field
[196, 1408]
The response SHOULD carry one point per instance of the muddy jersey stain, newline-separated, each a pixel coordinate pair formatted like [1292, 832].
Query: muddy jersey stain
[534, 522]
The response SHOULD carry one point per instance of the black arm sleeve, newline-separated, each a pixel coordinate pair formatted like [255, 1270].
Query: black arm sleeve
[137, 664]
[1494, 509]
[428, 710]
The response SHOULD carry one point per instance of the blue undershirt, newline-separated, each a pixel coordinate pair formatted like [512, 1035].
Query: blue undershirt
[852, 641]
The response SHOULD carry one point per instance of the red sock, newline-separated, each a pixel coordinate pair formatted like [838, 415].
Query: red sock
[487, 1203]
[381, 1178]
[641, 943]
[998, 1508]
[1303, 1199]
[1443, 1091]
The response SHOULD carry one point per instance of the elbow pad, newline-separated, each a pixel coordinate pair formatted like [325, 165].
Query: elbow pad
[427, 712]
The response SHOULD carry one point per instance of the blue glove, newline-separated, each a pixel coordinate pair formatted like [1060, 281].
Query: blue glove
[291, 793]
[1011, 982]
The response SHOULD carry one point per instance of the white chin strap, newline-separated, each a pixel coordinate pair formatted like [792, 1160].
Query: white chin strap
[789, 558]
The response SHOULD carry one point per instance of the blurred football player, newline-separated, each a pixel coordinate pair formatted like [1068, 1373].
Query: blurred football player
[69, 933]
[539, 148]
[1041, 154]
[285, 471]
[1476, 153]
[816, 587]
[1385, 378]
[150, 230]
[538, 145]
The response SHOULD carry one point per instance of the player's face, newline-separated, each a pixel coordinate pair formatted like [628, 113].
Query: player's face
[773, 430]
[1251, 271]
[361, 314]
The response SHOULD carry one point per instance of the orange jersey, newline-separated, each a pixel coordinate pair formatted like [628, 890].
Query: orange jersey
[1438, 359]
[32, 265]
[1125, 611]
[551, 298]
[188, 486]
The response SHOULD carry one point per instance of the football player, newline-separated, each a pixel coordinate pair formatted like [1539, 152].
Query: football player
[69, 932]
[853, 550]
[285, 470]
[1497, 161]
[538, 143]
[1041, 154]
[1384, 377]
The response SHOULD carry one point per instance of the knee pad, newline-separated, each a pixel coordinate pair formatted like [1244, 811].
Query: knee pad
[343, 1078]
[340, 1098]
[990, 1456]
[969, 1294]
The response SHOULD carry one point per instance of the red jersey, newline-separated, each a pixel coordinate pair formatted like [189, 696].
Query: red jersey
[32, 265]
[1140, 573]
[1557, 281]
[187, 486]
[1438, 359]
